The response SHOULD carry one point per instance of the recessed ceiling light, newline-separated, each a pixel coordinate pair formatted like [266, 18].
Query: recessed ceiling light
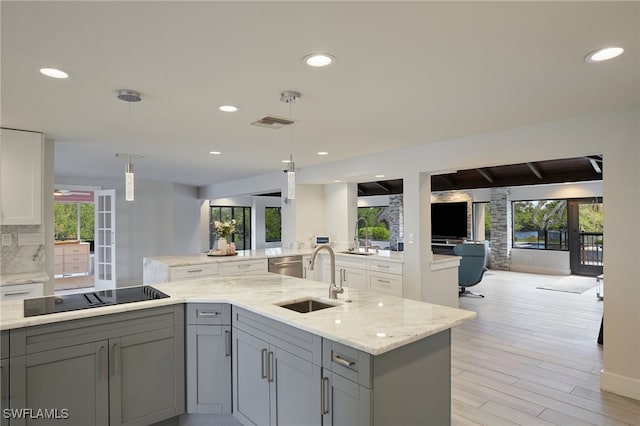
[285, 161]
[54, 73]
[337, 181]
[228, 108]
[323, 153]
[215, 152]
[379, 176]
[604, 54]
[318, 59]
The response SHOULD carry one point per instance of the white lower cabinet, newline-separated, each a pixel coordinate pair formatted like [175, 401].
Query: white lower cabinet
[351, 277]
[276, 373]
[208, 356]
[385, 283]
[21, 291]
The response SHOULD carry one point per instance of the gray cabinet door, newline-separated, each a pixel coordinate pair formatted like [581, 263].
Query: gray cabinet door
[209, 369]
[295, 390]
[73, 378]
[251, 375]
[4, 390]
[345, 402]
[146, 377]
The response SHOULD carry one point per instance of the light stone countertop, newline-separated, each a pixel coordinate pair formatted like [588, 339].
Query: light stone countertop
[371, 322]
[24, 278]
[202, 258]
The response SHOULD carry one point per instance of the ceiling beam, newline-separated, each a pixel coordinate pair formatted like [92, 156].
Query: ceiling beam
[595, 165]
[534, 169]
[485, 174]
[384, 186]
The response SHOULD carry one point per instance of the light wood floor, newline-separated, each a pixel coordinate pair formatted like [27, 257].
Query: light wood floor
[531, 358]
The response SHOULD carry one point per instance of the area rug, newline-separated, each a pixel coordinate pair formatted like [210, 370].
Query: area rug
[570, 284]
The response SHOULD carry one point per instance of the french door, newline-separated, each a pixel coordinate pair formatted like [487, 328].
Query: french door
[586, 232]
[105, 243]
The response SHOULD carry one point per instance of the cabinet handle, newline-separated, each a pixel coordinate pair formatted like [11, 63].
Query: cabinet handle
[115, 352]
[263, 360]
[227, 343]
[324, 396]
[304, 272]
[244, 266]
[270, 367]
[193, 271]
[384, 281]
[101, 362]
[344, 362]
[15, 293]
[383, 266]
[209, 313]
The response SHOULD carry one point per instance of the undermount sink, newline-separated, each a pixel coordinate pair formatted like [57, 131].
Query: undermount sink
[307, 305]
[358, 253]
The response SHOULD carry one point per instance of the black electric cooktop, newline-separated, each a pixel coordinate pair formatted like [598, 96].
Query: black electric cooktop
[94, 299]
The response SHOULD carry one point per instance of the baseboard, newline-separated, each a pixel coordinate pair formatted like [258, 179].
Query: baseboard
[539, 270]
[621, 385]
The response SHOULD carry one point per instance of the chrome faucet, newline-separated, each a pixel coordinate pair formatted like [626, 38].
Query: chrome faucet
[366, 235]
[333, 288]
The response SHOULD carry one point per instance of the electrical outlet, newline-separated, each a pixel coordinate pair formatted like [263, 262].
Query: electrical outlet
[35, 239]
[7, 240]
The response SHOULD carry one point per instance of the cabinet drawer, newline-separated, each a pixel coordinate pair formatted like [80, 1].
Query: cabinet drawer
[76, 249]
[58, 269]
[390, 284]
[58, 250]
[383, 266]
[76, 267]
[298, 342]
[209, 313]
[59, 259]
[351, 261]
[21, 291]
[243, 267]
[193, 271]
[348, 362]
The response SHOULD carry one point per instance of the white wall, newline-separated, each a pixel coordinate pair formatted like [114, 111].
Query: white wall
[613, 134]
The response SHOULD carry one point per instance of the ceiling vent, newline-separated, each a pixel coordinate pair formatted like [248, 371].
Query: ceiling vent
[272, 122]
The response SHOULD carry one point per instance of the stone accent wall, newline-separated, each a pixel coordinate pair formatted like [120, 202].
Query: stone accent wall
[501, 229]
[455, 197]
[395, 220]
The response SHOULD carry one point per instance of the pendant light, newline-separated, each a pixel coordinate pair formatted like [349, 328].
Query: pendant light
[129, 96]
[290, 97]
[129, 188]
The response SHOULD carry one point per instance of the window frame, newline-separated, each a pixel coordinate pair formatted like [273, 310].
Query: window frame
[266, 231]
[242, 240]
[564, 241]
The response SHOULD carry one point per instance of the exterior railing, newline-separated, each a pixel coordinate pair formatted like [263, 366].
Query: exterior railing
[591, 248]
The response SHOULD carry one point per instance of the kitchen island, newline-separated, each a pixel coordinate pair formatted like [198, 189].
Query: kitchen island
[397, 350]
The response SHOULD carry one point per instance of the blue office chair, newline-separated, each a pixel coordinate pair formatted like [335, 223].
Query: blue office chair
[472, 266]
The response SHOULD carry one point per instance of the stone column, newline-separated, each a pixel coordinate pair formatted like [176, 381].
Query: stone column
[501, 229]
[394, 219]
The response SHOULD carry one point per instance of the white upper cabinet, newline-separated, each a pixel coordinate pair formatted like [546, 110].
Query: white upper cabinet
[21, 162]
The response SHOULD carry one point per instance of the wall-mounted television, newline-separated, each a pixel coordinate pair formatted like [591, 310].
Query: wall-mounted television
[449, 220]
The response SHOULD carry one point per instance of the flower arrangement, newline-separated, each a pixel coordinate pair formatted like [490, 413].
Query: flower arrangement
[225, 228]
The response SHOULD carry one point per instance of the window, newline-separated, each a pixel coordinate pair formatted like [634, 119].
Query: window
[540, 224]
[242, 237]
[272, 224]
[378, 230]
[74, 221]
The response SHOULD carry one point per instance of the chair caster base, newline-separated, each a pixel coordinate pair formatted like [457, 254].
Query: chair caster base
[465, 292]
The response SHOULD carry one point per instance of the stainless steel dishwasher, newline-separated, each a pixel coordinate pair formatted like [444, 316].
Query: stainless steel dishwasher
[286, 265]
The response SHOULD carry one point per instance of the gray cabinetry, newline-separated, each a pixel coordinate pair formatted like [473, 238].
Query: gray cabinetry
[4, 376]
[119, 369]
[277, 372]
[209, 358]
[405, 386]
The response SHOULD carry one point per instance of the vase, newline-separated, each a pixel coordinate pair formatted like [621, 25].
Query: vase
[222, 245]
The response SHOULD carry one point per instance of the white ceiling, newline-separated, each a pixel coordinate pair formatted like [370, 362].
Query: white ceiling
[406, 74]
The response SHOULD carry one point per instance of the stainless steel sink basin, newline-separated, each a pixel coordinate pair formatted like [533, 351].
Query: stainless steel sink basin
[358, 253]
[306, 306]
